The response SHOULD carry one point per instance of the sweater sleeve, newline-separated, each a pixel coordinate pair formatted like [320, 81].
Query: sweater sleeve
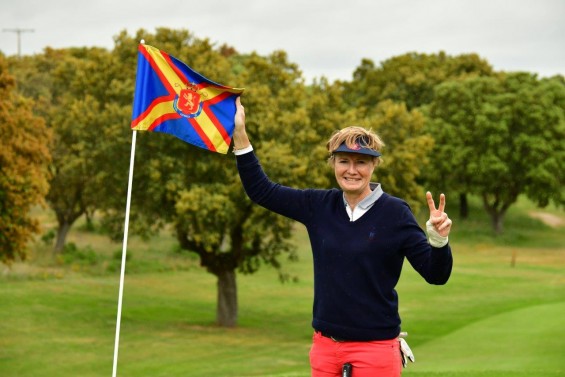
[273, 196]
[432, 263]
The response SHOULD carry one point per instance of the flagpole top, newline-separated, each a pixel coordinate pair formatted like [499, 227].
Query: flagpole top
[142, 41]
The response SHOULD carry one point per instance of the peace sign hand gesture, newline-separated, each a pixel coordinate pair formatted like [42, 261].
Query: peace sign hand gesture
[439, 220]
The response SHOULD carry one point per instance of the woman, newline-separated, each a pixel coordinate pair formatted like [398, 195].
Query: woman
[360, 236]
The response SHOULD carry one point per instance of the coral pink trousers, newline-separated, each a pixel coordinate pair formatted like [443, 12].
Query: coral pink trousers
[369, 359]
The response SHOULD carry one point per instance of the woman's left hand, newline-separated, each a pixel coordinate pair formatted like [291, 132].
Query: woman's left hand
[438, 218]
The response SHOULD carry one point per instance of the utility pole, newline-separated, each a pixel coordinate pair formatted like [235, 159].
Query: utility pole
[19, 32]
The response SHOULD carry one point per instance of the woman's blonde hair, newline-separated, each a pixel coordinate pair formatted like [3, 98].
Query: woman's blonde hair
[353, 135]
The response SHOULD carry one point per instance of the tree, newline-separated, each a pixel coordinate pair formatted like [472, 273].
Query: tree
[83, 163]
[82, 100]
[501, 137]
[24, 157]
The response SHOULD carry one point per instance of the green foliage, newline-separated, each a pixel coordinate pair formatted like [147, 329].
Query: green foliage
[500, 137]
[48, 237]
[410, 78]
[73, 255]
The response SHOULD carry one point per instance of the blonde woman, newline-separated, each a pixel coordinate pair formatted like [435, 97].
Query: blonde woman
[360, 236]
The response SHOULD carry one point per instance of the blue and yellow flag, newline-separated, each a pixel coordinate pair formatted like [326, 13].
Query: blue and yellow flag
[170, 97]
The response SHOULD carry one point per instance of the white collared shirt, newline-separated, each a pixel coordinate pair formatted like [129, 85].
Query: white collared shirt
[239, 152]
[364, 205]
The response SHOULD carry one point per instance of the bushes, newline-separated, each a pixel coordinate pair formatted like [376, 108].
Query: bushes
[73, 255]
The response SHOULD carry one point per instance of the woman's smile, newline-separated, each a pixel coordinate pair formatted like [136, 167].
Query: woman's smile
[353, 173]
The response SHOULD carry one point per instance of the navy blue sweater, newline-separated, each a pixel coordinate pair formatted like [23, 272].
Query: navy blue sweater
[356, 264]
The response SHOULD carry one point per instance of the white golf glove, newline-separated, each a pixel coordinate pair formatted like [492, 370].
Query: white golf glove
[433, 236]
[405, 350]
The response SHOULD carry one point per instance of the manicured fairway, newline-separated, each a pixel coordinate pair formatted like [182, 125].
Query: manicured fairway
[524, 341]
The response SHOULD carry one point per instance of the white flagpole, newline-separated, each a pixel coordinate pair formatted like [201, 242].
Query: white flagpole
[124, 248]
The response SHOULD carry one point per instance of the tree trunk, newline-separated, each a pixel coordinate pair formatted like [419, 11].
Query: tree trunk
[463, 206]
[62, 232]
[89, 219]
[223, 266]
[496, 207]
[226, 311]
[497, 222]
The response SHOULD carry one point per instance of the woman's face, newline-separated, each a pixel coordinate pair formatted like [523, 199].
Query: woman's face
[353, 172]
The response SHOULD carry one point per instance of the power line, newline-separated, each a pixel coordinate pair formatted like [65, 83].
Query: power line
[19, 32]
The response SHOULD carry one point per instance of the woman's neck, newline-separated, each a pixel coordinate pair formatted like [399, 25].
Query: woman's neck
[354, 198]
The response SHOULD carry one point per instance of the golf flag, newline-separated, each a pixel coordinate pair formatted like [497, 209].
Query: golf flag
[170, 97]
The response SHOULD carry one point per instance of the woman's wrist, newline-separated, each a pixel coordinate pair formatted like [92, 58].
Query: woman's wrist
[240, 140]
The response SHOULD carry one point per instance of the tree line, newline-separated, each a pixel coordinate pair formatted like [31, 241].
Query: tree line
[450, 123]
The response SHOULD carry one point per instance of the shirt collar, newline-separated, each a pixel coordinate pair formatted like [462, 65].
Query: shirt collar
[369, 200]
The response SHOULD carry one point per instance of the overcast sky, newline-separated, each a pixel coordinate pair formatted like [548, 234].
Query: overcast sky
[324, 37]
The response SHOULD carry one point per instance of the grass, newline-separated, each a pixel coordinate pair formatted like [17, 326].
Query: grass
[58, 316]
[514, 337]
